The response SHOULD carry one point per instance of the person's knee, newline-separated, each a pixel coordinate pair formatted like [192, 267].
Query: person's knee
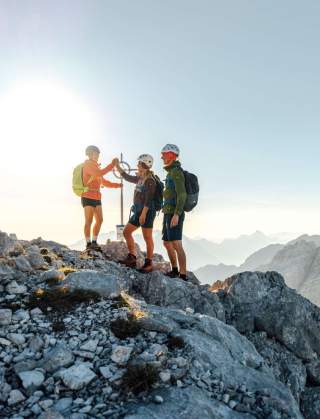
[126, 233]
[177, 245]
[167, 245]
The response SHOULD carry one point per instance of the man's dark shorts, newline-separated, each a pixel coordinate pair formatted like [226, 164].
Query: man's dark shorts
[134, 219]
[87, 202]
[175, 233]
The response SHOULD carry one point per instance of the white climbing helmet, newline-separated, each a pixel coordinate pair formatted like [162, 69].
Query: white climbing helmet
[171, 148]
[146, 159]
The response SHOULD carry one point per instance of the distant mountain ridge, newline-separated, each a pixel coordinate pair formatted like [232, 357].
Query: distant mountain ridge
[211, 273]
[298, 261]
[202, 252]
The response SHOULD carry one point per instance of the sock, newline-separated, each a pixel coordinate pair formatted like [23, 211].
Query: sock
[183, 276]
[94, 239]
[88, 240]
[175, 270]
[148, 262]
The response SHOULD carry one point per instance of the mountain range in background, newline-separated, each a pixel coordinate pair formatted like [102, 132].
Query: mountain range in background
[203, 252]
[298, 261]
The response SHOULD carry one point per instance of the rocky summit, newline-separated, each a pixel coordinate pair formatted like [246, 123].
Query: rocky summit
[83, 337]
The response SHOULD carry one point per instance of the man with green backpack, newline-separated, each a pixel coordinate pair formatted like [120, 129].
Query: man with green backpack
[87, 181]
[180, 195]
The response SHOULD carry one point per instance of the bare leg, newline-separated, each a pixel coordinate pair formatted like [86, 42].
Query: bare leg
[88, 215]
[98, 216]
[148, 238]
[127, 233]
[177, 245]
[171, 254]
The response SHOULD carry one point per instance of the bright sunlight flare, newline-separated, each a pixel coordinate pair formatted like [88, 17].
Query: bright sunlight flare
[43, 120]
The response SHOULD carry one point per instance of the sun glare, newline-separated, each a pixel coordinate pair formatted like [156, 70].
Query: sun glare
[41, 119]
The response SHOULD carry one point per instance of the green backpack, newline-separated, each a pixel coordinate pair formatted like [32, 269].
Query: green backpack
[77, 181]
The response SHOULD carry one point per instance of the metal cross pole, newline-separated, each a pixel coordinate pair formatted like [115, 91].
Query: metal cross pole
[126, 167]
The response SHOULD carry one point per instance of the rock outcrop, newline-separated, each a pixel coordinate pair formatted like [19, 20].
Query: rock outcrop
[82, 336]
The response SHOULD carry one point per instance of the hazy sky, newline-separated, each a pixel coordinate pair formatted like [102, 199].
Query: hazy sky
[234, 83]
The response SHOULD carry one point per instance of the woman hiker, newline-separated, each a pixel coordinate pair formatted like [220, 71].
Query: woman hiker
[143, 211]
[91, 200]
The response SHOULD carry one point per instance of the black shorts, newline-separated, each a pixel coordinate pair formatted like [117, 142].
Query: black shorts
[151, 215]
[172, 234]
[87, 202]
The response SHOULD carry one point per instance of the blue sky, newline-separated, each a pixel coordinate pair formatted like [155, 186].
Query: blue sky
[235, 84]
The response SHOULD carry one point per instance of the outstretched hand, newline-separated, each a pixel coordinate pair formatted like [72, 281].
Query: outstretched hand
[115, 162]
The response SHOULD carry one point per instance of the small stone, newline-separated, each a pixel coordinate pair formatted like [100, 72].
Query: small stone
[189, 310]
[5, 316]
[56, 358]
[5, 342]
[36, 343]
[45, 404]
[53, 275]
[226, 398]
[181, 362]
[50, 414]
[86, 409]
[63, 404]
[158, 399]
[21, 315]
[106, 372]
[17, 338]
[15, 397]
[121, 355]
[36, 312]
[36, 409]
[165, 376]
[27, 365]
[15, 288]
[90, 345]
[77, 376]
[31, 379]
[233, 404]
[179, 383]
[35, 258]
[22, 264]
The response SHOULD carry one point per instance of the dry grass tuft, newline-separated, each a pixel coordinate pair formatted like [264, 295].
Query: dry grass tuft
[175, 342]
[125, 328]
[60, 300]
[139, 378]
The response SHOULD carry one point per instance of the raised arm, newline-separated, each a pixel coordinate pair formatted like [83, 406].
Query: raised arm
[129, 178]
[109, 184]
[95, 171]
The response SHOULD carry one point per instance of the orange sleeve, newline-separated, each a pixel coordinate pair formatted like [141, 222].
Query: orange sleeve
[109, 184]
[95, 171]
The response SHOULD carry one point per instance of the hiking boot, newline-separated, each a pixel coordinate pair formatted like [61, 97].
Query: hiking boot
[94, 246]
[88, 246]
[147, 267]
[183, 277]
[130, 261]
[174, 273]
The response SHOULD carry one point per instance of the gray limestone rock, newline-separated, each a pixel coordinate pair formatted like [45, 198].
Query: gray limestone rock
[104, 284]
